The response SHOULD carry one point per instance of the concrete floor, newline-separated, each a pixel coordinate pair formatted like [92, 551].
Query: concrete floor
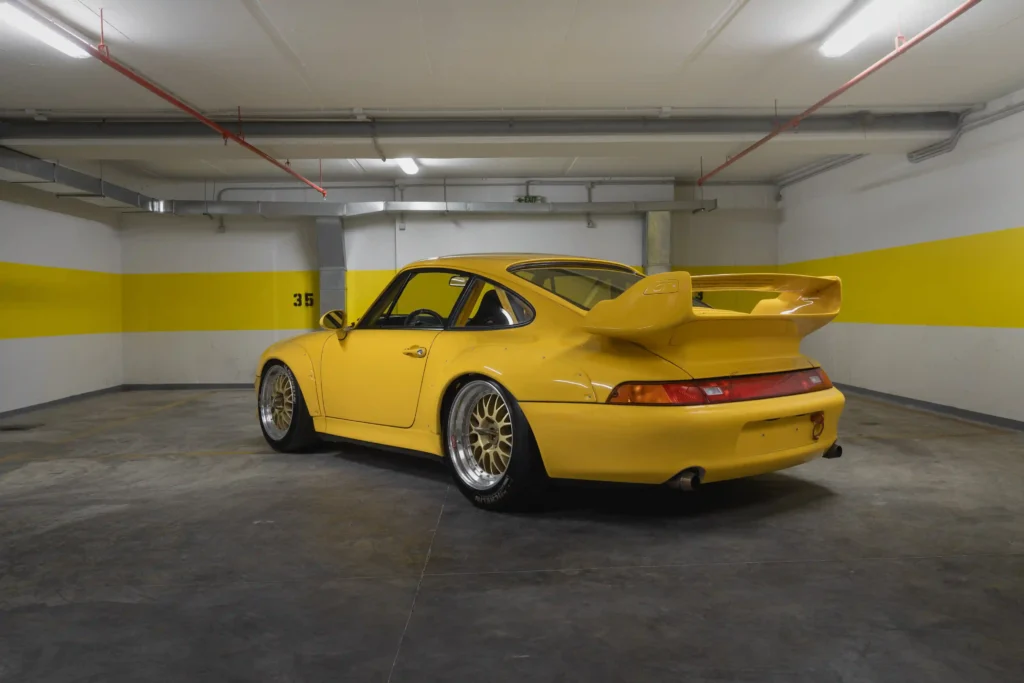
[152, 536]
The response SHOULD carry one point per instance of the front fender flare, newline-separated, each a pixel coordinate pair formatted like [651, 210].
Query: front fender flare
[301, 365]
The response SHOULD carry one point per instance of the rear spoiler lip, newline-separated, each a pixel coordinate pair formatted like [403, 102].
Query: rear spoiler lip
[662, 303]
[762, 282]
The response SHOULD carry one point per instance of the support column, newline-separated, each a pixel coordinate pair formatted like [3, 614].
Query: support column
[681, 222]
[330, 255]
[657, 242]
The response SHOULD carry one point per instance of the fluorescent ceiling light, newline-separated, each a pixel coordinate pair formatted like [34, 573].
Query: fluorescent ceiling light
[861, 25]
[409, 166]
[40, 31]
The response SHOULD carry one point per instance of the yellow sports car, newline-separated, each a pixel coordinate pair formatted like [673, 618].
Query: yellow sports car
[517, 368]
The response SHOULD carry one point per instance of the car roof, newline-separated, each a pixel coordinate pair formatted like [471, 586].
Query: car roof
[502, 261]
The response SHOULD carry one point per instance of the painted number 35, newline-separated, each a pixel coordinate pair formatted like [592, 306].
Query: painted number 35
[302, 299]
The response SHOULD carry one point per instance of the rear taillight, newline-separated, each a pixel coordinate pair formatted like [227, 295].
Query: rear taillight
[721, 390]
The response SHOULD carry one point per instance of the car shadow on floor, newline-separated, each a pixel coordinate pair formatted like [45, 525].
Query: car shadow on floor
[759, 496]
[423, 466]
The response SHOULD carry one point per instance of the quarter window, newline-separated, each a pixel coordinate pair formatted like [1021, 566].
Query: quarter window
[490, 307]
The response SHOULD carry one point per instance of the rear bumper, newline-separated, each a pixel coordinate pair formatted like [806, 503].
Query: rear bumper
[651, 444]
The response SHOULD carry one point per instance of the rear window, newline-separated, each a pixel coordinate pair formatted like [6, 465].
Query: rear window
[584, 286]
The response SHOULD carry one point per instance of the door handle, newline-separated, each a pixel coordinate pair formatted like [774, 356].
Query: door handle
[415, 351]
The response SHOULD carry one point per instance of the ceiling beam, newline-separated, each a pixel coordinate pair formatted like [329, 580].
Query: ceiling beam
[936, 121]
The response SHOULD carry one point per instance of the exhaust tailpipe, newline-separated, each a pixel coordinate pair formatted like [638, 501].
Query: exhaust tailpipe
[834, 451]
[687, 480]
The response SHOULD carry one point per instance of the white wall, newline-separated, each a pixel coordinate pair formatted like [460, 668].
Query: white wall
[743, 231]
[178, 244]
[37, 368]
[383, 243]
[154, 245]
[618, 238]
[882, 202]
[197, 357]
[971, 368]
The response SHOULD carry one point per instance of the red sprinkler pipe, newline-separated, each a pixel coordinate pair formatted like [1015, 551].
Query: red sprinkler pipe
[795, 121]
[103, 56]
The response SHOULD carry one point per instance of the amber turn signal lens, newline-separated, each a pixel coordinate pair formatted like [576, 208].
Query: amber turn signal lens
[674, 394]
[639, 393]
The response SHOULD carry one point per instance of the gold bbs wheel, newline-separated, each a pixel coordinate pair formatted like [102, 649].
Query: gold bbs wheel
[480, 434]
[277, 402]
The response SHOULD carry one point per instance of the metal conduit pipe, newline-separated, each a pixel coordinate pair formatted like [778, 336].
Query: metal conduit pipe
[849, 123]
[803, 173]
[389, 113]
[971, 120]
[55, 173]
[361, 209]
[941, 147]
[50, 172]
[396, 185]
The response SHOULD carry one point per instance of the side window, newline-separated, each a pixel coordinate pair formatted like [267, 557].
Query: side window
[426, 301]
[491, 307]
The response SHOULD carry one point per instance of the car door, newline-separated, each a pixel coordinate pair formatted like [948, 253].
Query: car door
[375, 372]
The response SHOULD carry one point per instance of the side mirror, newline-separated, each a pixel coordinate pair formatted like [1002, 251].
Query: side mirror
[334, 319]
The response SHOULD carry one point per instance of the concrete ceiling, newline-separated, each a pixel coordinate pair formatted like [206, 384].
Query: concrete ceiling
[296, 59]
[286, 56]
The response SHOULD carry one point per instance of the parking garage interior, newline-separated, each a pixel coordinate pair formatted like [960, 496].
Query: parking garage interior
[183, 184]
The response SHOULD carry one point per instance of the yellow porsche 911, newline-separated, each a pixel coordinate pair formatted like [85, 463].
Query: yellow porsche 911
[517, 368]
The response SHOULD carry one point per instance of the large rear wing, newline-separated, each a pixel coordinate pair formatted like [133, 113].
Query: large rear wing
[656, 307]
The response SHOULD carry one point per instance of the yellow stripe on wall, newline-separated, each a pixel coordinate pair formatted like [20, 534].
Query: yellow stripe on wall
[42, 301]
[971, 281]
[177, 302]
[968, 281]
[362, 287]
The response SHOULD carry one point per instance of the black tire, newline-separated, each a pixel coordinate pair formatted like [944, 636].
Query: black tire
[299, 435]
[523, 482]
